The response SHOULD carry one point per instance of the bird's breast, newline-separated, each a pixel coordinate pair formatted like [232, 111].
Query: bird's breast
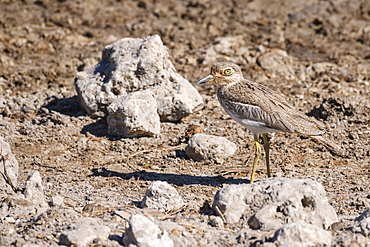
[250, 116]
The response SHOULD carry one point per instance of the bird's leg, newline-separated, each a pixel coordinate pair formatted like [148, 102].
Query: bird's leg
[256, 157]
[266, 146]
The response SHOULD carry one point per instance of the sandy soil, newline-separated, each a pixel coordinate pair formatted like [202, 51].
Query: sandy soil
[45, 43]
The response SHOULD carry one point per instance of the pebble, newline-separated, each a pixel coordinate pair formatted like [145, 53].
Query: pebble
[34, 190]
[143, 232]
[86, 231]
[162, 197]
[217, 222]
[208, 147]
[57, 201]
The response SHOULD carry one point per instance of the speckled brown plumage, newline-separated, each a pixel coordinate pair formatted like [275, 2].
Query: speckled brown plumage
[256, 102]
[260, 109]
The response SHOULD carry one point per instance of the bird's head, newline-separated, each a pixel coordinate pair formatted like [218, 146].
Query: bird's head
[223, 73]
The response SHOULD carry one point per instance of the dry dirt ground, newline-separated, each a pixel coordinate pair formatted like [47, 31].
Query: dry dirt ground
[45, 43]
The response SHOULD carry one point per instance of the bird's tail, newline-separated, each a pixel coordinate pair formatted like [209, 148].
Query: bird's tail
[335, 148]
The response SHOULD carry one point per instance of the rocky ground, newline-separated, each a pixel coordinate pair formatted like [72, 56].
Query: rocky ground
[315, 53]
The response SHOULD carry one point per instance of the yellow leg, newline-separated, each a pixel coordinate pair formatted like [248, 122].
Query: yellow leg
[256, 157]
[266, 146]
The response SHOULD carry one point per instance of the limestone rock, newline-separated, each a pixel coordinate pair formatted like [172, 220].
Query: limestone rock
[208, 147]
[131, 65]
[8, 166]
[301, 234]
[34, 191]
[217, 222]
[57, 201]
[142, 232]
[270, 203]
[85, 231]
[134, 115]
[162, 196]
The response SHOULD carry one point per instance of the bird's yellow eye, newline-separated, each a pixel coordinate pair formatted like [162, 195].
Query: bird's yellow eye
[227, 72]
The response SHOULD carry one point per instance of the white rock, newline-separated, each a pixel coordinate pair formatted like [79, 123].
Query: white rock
[362, 223]
[8, 165]
[143, 232]
[129, 65]
[208, 147]
[301, 234]
[34, 191]
[85, 231]
[162, 197]
[9, 219]
[217, 222]
[57, 201]
[134, 115]
[270, 203]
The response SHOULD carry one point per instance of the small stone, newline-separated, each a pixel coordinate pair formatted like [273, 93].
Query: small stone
[34, 191]
[57, 201]
[143, 232]
[192, 130]
[9, 219]
[134, 115]
[86, 231]
[302, 234]
[217, 222]
[162, 197]
[208, 147]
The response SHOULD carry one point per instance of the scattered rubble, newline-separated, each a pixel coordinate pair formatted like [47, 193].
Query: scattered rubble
[34, 190]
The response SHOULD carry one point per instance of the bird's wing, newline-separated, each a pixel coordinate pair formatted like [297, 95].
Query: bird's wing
[259, 103]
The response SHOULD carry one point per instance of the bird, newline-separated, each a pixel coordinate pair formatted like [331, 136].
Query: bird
[261, 110]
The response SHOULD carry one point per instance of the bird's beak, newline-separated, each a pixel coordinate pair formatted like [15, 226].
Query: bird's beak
[206, 79]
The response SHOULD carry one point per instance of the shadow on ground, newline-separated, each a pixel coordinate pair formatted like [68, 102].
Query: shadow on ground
[99, 128]
[177, 179]
[71, 107]
[67, 106]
